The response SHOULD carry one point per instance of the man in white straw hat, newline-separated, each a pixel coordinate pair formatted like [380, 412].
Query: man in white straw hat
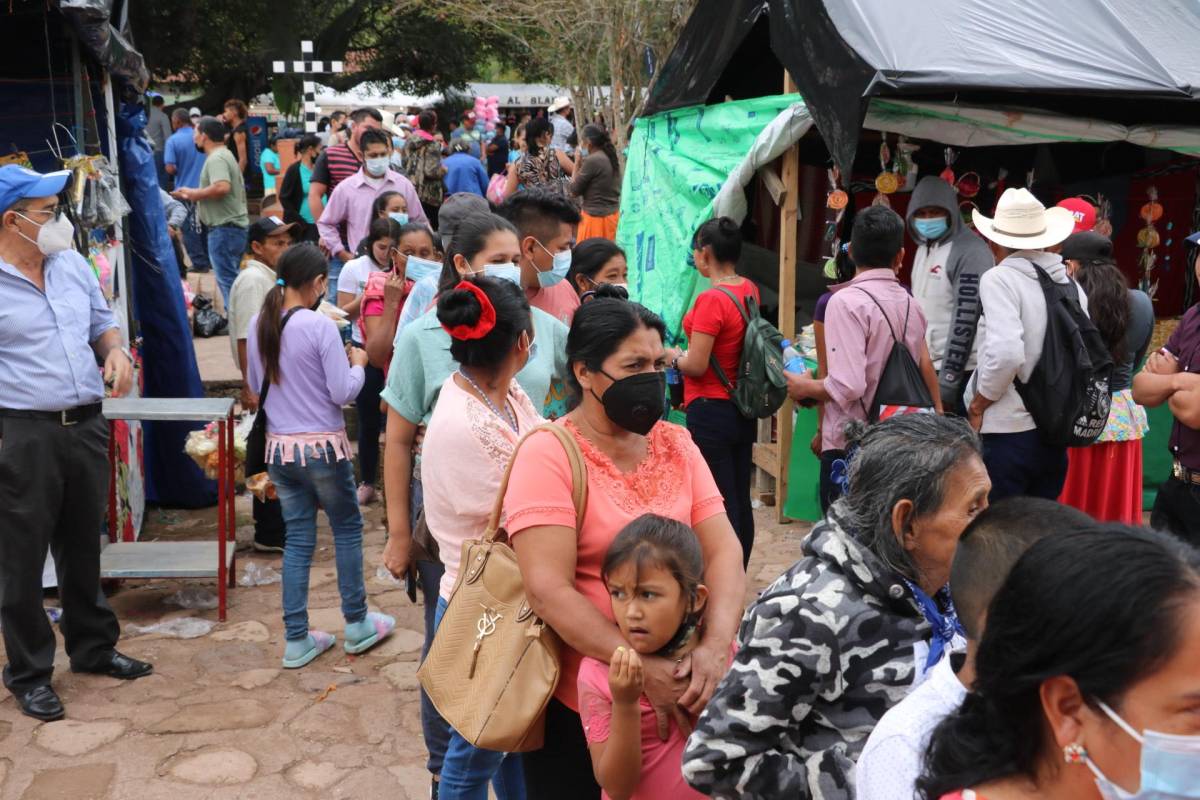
[1014, 309]
[560, 118]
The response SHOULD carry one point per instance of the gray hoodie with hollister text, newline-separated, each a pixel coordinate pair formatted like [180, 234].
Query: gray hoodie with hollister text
[945, 281]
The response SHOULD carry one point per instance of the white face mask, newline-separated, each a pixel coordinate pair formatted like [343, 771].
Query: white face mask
[377, 167]
[54, 236]
[1170, 765]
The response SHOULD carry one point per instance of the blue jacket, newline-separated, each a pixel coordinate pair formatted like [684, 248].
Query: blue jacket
[465, 173]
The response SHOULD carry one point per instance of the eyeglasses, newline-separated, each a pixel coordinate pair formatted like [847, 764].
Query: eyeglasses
[55, 212]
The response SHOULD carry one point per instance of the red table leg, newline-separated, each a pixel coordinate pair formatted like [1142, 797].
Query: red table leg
[222, 509]
[231, 460]
[112, 483]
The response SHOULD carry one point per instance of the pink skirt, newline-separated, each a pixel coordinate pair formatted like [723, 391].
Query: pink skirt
[1105, 481]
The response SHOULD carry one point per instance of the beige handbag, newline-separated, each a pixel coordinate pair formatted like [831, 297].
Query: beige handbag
[494, 665]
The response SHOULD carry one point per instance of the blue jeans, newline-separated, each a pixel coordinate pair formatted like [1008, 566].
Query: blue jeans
[226, 246]
[330, 484]
[335, 269]
[434, 729]
[468, 769]
[195, 239]
[1022, 464]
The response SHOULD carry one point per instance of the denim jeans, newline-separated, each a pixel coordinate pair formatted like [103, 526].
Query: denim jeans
[468, 769]
[195, 239]
[726, 440]
[335, 269]
[330, 484]
[1022, 464]
[226, 246]
[434, 729]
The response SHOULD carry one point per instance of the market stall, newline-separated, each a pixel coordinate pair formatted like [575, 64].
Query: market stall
[1037, 102]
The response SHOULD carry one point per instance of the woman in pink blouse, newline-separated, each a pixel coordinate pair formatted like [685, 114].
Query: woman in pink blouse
[481, 414]
[636, 464]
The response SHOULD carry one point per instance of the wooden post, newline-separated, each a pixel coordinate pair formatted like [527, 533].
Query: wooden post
[787, 298]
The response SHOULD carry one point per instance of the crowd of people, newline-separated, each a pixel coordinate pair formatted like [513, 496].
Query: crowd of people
[956, 626]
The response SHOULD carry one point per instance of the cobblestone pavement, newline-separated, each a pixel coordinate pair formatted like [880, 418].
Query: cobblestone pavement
[220, 719]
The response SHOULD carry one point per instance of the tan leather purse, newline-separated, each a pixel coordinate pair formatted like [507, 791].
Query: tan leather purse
[494, 665]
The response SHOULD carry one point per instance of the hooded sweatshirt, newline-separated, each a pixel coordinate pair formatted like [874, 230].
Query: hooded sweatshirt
[1011, 344]
[822, 655]
[945, 281]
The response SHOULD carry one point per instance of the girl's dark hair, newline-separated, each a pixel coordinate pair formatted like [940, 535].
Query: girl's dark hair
[427, 120]
[604, 291]
[513, 317]
[380, 228]
[381, 203]
[1052, 617]
[536, 129]
[724, 237]
[598, 137]
[469, 238]
[1108, 302]
[597, 331]
[589, 256]
[299, 266]
[651, 540]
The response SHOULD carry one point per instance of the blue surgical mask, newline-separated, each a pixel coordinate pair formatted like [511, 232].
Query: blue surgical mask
[503, 272]
[377, 167]
[399, 216]
[558, 269]
[416, 269]
[1170, 765]
[931, 229]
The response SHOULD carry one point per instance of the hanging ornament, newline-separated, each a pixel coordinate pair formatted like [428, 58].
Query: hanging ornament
[965, 208]
[1029, 176]
[1148, 239]
[968, 185]
[906, 168]
[948, 173]
[835, 206]
[1103, 206]
[887, 181]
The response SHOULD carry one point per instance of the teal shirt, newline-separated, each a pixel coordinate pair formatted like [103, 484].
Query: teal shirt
[422, 362]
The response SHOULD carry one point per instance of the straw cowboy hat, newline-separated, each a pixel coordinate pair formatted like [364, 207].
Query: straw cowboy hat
[559, 104]
[1023, 223]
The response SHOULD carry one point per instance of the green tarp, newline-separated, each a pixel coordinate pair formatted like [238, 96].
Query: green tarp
[676, 163]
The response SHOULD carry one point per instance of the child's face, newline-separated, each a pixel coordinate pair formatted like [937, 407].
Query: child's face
[381, 251]
[395, 205]
[649, 607]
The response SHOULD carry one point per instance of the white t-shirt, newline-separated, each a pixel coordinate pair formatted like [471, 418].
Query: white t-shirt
[246, 297]
[891, 760]
[353, 279]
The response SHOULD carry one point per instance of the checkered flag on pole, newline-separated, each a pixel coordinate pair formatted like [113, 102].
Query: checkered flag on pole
[306, 66]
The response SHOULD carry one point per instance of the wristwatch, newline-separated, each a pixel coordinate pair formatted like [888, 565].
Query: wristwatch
[675, 361]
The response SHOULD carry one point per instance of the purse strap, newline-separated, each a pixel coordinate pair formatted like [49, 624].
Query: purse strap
[579, 482]
[262, 396]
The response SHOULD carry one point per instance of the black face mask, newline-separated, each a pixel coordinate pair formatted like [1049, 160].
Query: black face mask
[636, 402]
[317, 304]
[199, 149]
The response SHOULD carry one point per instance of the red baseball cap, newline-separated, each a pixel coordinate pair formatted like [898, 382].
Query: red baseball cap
[1083, 212]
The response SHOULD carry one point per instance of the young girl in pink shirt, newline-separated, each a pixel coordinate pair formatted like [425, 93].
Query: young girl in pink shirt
[653, 572]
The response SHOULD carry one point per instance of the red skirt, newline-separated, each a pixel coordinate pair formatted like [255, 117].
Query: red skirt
[1105, 480]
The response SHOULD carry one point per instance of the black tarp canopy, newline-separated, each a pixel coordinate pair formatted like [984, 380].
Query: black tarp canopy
[1128, 61]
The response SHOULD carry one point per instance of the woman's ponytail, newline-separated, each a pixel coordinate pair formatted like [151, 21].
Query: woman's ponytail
[299, 265]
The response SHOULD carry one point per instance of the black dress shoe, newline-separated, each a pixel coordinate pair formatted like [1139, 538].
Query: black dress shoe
[119, 666]
[41, 703]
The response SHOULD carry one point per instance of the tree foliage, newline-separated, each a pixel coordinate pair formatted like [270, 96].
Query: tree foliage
[225, 47]
[585, 45]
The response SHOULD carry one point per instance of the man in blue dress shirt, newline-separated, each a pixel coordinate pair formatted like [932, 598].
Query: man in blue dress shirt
[56, 331]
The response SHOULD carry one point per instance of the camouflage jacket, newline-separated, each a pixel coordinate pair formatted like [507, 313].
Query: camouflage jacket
[822, 654]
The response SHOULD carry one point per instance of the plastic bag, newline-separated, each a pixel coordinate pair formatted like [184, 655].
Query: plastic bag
[192, 598]
[103, 204]
[383, 576]
[206, 322]
[178, 628]
[258, 575]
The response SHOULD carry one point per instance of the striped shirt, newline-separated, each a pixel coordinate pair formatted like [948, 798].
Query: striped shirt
[335, 165]
[46, 359]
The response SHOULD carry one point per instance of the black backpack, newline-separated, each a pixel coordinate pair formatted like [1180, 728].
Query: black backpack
[761, 385]
[1068, 394]
[902, 388]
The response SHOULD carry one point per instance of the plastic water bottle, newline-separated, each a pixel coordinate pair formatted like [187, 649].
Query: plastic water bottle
[792, 360]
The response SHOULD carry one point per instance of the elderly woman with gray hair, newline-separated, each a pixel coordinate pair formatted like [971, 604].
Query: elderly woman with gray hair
[845, 633]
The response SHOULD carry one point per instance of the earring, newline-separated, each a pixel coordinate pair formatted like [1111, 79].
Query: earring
[1074, 753]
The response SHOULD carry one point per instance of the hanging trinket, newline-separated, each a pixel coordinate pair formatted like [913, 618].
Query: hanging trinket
[948, 173]
[1148, 239]
[968, 185]
[835, 206]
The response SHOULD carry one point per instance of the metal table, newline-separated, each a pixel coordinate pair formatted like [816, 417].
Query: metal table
[131, 559]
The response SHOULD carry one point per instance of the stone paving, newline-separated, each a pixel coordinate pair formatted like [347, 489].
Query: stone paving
[220, 719]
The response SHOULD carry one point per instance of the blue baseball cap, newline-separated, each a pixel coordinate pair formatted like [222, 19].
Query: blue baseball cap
[19, 183]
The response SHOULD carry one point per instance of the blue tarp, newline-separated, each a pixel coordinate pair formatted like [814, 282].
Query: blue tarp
[169, 366]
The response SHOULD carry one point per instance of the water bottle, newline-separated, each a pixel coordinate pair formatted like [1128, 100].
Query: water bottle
[675, 387]
[792, 360]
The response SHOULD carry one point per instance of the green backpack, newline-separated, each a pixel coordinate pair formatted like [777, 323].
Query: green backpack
[761, 385]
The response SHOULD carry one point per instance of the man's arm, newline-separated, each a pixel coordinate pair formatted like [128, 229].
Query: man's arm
[240, 138]
[1002, 351]
[118, 368]
[964, 317]
[214, 191]
[929, 374]
[1185, 402]
[331, 217]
